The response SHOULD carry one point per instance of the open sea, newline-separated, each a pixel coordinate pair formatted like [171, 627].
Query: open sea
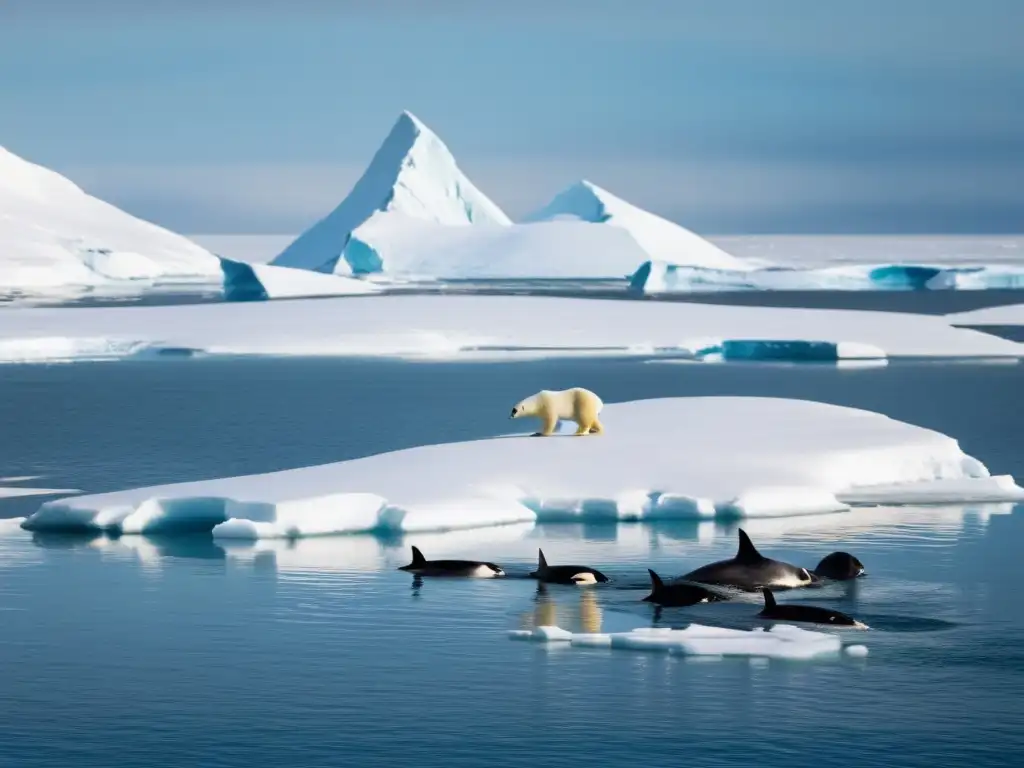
[179, 651]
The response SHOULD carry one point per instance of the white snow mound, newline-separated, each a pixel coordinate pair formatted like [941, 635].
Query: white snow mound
[658, 238]
[413, 174]
[690, 458]
[53, 235]
[781, 641]
[445, 327]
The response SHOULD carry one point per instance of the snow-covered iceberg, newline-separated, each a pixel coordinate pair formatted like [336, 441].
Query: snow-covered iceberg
[447, 326]
[412, 175]
[660, 239]
[659, 276]
[55, 236]
[781, 641]
[679, 458]
[414, 214]
[260, 282]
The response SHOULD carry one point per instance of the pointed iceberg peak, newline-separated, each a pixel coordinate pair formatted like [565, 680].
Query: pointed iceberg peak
[412, 174]
[661, 239]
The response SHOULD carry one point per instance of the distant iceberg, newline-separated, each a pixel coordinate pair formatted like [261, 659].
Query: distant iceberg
[656, 277]
[55, 236]
[675, 458]
[658, 238]
[414, 175]
[415, 214]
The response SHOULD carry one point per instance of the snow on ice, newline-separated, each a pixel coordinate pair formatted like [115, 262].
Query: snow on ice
[438, 327]
[677, 458]
[781, 641]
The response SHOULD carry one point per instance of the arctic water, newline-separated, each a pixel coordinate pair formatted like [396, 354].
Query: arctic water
[178, 651]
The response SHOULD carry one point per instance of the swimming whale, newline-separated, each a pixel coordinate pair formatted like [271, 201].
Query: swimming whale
[749, 570]
[466, 568]
[678, 595]
[565, 574]
[839, 566]
[808, 613]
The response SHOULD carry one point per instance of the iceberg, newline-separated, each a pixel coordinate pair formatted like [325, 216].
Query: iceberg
[781, 641]
[260, 282]
[414, 214]
[413, 174]
[55, 236]
[700, 458]
[483, 327]
[659, 276]
[660, 239]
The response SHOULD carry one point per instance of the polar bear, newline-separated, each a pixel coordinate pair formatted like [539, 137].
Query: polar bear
[577, 404]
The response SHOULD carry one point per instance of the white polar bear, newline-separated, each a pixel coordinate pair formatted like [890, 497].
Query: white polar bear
[577, 404]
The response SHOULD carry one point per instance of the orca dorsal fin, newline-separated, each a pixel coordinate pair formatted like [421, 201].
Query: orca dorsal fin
[542, 562]
[769, 599]
[747, 552]
[417, 557]
[656, 582]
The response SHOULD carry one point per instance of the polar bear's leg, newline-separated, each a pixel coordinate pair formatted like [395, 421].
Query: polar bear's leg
[596, 427]
[582, 427]
[550, 422]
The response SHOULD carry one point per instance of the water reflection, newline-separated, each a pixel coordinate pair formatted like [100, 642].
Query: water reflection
[579, 611]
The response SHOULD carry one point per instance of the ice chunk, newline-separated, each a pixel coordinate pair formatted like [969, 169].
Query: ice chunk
[413, 174]
[259, 282]
[54, 235]
[857, 651]
[484, 326]
[782, 641]
[689, 458]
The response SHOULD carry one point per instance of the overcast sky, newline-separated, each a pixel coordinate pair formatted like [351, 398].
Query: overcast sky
[728, 116]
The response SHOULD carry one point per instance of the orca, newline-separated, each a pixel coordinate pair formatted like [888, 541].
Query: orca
[750, 571]
[839, 566]
[566, 574]
[677, 594]
[808, 613]
[465, 568]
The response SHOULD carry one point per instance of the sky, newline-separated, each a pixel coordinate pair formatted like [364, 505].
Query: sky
[728, 116]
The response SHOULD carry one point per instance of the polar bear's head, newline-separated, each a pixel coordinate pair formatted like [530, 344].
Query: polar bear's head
[527, 407]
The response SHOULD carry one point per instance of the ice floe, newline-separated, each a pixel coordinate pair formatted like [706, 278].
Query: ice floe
[1009, 314]
[676, 458]
[781, 641]
[485, 327]
[660, 277]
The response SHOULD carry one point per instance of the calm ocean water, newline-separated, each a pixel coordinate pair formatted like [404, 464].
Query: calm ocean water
[179, 652]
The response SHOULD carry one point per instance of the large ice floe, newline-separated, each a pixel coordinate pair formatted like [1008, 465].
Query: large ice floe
[1009, 314]
[414, 213]
[659, 277]
[481, 327]
[54, 235]
[782, 641]
[678, 458]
